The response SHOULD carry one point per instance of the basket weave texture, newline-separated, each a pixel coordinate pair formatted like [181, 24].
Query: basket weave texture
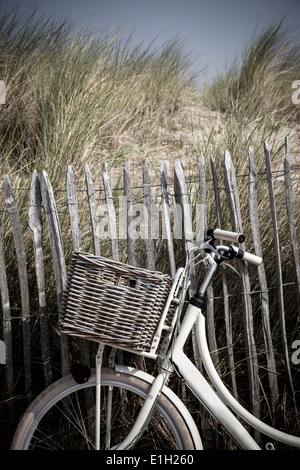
[112, 302]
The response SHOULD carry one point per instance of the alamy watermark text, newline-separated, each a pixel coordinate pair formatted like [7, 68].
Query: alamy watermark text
[136, 222]
[296, 354]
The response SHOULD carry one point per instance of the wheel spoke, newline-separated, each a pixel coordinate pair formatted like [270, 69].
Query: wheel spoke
[69, 418]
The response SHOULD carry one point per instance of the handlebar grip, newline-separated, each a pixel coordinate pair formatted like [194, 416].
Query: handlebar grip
[225, 235]
[253, 259]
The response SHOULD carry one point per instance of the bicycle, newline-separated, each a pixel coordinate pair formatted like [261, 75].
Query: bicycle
[127, 408]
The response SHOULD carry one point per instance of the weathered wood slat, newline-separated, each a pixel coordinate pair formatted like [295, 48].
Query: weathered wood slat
[129, 217]
[281, 309]
[71, 190]
[112, 221]
[202, 199]
[253, 212]
[6, 322]
[36, 228]
[227, 311]
[150, 258]
[237, 226]
[166, 220]
[186, 229]
[129, 233]
[17, 230]
[53, 223]
[93, 209]
[210, 317]
[291, 219]
[58, 258]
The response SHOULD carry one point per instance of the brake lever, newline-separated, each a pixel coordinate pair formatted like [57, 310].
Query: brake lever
[231, 267]
[204, 246]
[207, 246]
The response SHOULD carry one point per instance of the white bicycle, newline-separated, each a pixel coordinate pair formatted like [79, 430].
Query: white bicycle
[120, 407]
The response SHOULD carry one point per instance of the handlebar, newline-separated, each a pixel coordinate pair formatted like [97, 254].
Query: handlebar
[253, 259]
[219, 254]
[218, 234]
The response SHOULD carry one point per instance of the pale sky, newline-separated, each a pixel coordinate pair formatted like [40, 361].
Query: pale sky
[215, 31]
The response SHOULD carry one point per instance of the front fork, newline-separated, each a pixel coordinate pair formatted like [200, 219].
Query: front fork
[145, 413]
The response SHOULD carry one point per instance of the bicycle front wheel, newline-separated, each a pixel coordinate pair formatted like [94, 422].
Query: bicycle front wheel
[63, 416]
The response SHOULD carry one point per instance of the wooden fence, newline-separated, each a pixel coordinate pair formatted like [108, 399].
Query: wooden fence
[198, 203]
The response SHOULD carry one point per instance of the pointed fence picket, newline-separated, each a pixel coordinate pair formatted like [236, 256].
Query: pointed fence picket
[253, 213]
[16, 225]
[227, 311]
[36, 227]
[6, 323]
[237, 226]
[150, 256]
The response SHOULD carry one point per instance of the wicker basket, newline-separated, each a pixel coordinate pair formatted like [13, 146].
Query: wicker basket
[112, 302]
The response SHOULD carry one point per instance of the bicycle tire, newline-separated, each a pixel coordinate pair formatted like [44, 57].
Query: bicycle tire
[46, 424]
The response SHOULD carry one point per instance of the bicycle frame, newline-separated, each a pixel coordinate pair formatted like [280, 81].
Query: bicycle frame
[220, 403]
